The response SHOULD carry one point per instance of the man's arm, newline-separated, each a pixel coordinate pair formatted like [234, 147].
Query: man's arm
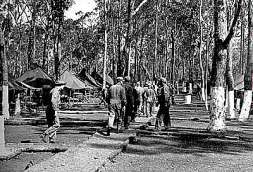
[123, 96]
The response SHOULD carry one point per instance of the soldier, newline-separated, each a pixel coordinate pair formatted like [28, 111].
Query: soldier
[151, 99]
[52, 113]
[163, 95]
[116, 99]
[145, 96]
[140, 91]
[129, 90]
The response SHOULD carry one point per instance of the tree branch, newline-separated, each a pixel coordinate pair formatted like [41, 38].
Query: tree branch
[231, 30]
[138, 8]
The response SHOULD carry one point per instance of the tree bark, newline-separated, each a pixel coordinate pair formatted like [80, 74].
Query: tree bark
[156, 43]
[200, 54]
[105, 53]
[172, 56]
[5, 90]
[249, 69]
[31, 43]
[217, 111]
[221, 41]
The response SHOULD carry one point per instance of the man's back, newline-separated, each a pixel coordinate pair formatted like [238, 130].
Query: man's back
[129, 90]
[140, 91]
[164, 93]
[116, 94]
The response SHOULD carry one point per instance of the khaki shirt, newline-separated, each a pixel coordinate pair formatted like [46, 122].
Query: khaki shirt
[56, 98]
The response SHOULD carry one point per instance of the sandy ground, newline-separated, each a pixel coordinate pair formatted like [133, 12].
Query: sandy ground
[181, 154]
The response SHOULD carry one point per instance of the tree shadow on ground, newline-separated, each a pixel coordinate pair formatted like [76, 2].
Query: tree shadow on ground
[185, 141]
[187, 145]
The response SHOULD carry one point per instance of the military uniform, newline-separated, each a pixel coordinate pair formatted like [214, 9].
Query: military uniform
[52, 113]
[163, 95]
[129, 90]
[116, 99]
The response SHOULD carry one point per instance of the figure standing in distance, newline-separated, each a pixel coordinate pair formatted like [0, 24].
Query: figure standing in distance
[145, 96]
[52, 113]
[136, 104]
[139, 90]
[151, 99]
[163, 95]
[116, 99]
[129, 90]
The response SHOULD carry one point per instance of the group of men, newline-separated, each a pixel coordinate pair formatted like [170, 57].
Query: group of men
[125, 102]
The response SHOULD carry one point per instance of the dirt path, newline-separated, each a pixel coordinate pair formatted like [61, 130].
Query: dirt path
[175, 154]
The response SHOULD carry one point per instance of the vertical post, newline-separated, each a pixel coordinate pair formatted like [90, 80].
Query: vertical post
[105, 54]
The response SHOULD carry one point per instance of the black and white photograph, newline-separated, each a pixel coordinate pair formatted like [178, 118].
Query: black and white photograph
[126, 85]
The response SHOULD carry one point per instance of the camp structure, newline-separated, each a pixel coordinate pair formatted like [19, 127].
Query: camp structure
[72, 82]
[88, 79]
[99, 78]
[36, 78]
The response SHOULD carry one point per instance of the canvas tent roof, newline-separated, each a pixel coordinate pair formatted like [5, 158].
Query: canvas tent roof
[88, 79]
[28, 86]
[13, 86]
[99, 78]
[73, 82]
[36, 78]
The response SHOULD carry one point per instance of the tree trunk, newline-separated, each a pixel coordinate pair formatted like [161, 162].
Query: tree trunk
[221, 41]
[45, 51]
[127, 47]
[241, 67]
[200, 54]
[105, 53]
[31, 43]
[206, 73]
[156, 43]
[172, 57]
[5, 90]
[230, 82]
[249, 69]
[217, 111]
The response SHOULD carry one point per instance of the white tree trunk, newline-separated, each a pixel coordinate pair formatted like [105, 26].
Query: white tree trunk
[17, 105]
[231, 104]
[238, 103]
[244, 115]
[217, 110]
[5, 101]
[188, 99]
[2, 141]
[206, 103]
[203, 94]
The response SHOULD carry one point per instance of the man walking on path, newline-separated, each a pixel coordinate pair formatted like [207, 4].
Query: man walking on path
[136, 104]
[151, 99]
[145, 100]
[116, 99]
[140, 91]
[129, 90]
[52, 113]
[163, 95]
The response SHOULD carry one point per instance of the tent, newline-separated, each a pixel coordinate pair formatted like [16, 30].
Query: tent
[72, 82]
[88, 79]
[36, 78]
[99, 78]
[13, 85]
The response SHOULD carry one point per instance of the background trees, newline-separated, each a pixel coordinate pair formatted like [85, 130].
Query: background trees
[146, 39]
